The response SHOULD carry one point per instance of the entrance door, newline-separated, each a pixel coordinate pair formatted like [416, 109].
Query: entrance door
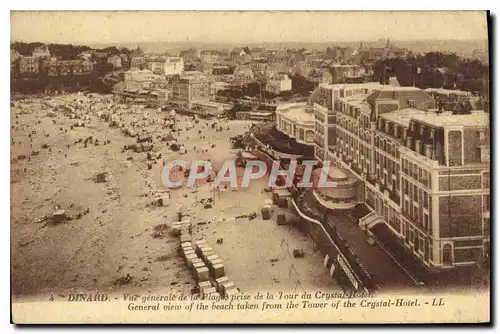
[447, 255]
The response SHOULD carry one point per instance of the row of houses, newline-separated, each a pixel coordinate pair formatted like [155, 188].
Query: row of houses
[160, 65]
[51, 66]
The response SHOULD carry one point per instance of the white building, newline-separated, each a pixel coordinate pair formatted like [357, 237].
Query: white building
[41, 51]
[174, 66]
[297, 121]
[138, 79]
[278, 83]
[116, 61]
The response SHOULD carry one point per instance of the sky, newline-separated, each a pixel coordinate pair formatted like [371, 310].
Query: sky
[247, 27]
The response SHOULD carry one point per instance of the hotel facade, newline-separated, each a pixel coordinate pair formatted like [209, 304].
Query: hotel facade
[423, 173]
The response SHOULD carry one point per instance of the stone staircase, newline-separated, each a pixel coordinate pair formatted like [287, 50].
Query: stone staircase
[370, 220]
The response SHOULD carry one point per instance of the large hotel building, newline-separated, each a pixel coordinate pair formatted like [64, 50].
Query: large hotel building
[424, 173]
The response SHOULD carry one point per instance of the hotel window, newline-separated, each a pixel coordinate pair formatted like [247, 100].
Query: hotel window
[415, 193]
[486, 202]
[420, 243]
[415, 244]
[426, 200]
[430, 222]
[420, 174]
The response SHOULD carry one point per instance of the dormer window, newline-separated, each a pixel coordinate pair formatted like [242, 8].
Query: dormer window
[411, 103]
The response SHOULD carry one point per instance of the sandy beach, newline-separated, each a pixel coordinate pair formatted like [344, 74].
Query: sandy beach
[112, 232]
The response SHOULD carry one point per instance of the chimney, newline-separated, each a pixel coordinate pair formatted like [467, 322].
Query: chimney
[408, 142]
[417, 146]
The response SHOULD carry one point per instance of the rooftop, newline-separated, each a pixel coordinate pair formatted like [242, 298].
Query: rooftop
[336, 174]
[369, 85]
[421, 99]
[480, 119]
[403, 116]
[346, 66]
[447, 91]
[297, 112]
[269, 135]
[356, 100]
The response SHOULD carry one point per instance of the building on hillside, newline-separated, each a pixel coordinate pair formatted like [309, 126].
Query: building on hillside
[124, 61]
[41, 52]
[138, 63]
[100, 56]
[54, 67]
[14, 56]
[278, 83]
[28, 65]
[85, 55]
[116, 61]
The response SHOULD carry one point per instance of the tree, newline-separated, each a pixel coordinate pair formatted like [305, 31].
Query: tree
[437, 69]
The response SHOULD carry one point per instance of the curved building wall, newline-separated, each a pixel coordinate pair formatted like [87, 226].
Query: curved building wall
[345, 194]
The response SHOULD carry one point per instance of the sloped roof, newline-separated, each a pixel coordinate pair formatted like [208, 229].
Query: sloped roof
[422, 99]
